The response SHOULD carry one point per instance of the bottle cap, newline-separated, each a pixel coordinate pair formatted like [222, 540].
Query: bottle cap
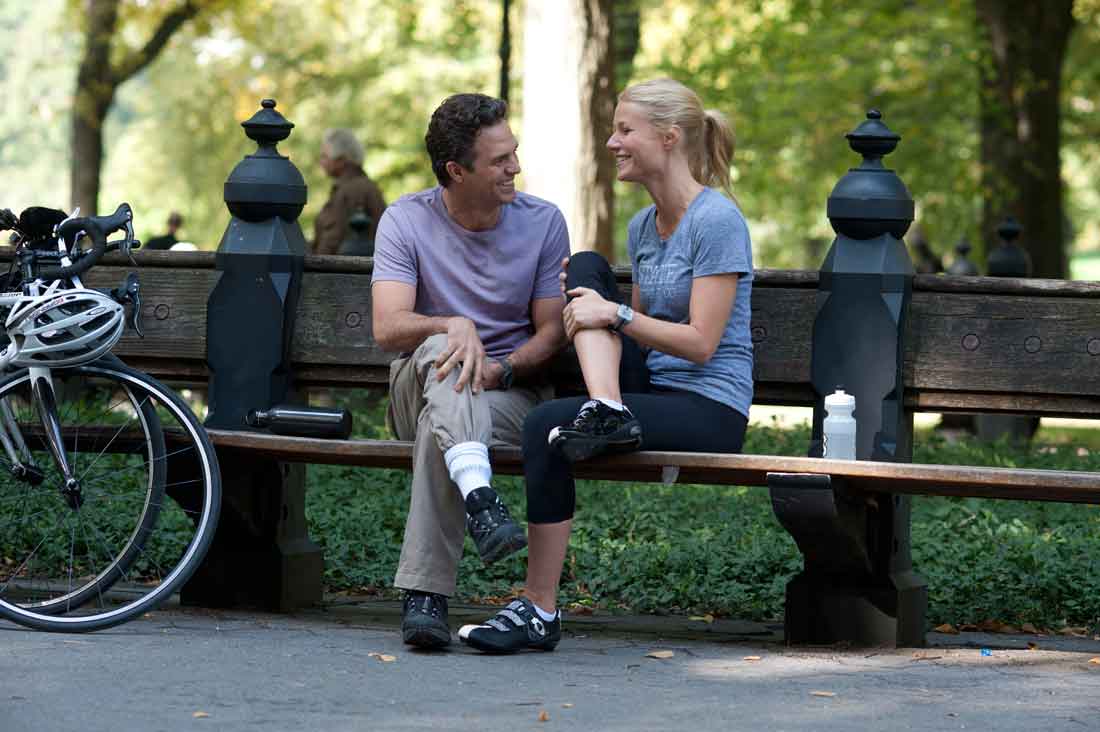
[840, 399]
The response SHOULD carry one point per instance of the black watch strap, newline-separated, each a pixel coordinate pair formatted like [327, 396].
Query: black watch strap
[508, 375]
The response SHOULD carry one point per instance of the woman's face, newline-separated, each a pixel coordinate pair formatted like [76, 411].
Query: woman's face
[639, 147]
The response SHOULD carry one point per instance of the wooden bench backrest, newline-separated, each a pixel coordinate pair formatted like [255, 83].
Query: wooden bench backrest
[973, 343]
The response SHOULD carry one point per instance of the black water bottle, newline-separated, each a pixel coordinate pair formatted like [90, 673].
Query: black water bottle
[298, 421]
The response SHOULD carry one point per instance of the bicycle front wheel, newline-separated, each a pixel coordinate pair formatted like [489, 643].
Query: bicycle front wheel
[95, 554]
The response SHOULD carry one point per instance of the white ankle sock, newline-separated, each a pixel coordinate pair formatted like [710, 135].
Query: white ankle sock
[468, 464]
[617, 406]
[543, 614]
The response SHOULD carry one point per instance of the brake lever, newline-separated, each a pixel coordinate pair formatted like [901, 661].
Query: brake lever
[127, 246]
[130, 294]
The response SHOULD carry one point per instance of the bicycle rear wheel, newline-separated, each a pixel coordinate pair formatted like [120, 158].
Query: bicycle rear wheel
[117, 548]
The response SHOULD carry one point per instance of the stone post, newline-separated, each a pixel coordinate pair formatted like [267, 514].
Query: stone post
[262, 554]
[857, 584]
[1007, 259]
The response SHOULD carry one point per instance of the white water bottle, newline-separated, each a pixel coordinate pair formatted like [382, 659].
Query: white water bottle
[839, 428]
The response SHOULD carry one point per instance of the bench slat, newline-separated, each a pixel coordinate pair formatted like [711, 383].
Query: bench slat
[865, 475]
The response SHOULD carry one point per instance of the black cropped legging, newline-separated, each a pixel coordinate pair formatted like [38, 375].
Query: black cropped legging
[671, 419]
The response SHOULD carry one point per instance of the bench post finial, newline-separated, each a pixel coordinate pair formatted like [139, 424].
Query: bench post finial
[865, 286]
[262, 554]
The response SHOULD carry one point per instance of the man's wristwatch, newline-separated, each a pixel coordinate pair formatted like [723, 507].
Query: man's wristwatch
[507, 376]
[623, 316]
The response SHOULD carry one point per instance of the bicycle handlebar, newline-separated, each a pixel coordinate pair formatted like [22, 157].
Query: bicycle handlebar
[97, 228]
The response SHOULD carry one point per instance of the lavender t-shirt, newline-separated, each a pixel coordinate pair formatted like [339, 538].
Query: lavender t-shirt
[490, 276]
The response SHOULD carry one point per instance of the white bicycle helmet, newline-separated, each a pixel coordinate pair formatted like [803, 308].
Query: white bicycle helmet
[64, 328]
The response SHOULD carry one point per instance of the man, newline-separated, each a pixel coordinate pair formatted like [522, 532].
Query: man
[352, 191]
[466, 285]
[175, 221]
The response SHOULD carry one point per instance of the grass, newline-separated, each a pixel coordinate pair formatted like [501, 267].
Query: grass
[719, 549]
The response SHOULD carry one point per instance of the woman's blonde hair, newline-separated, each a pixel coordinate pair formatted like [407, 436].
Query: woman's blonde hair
[707, 134]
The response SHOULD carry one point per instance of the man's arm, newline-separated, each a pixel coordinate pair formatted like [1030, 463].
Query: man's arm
[548, 339]
[398, 328]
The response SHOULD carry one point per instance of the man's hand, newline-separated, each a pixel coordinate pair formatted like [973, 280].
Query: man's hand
[587, 310]
[463, 347]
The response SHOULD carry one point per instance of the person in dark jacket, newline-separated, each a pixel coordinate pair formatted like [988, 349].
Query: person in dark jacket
[352, 191]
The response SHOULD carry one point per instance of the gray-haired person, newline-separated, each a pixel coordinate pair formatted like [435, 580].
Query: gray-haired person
[352, 190]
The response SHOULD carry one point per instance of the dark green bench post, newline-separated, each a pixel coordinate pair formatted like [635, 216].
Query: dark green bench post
[262, 554]
[857, 584]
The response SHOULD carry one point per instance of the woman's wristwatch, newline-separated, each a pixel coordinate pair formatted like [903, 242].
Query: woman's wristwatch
[623, 317]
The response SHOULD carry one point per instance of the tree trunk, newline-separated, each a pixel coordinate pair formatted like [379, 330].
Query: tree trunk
[569, 97]
[1021, 80]
[97, 80]
[95, 90]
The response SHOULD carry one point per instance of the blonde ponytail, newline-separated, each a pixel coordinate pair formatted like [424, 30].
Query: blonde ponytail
[718, 144]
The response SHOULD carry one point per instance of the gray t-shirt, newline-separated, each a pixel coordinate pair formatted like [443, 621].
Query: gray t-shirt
[711, 238]
[490, 276]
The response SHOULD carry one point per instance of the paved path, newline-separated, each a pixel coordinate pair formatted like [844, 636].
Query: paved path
[330, 670]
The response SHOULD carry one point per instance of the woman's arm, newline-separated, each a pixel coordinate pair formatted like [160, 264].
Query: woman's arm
[710, 307]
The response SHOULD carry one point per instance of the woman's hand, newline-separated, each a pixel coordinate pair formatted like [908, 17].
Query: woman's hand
[587, 310]
[564, 274]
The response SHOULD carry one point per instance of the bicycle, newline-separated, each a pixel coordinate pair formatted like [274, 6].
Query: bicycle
[90, 449]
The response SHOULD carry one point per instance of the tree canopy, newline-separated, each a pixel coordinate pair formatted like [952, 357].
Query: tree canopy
[793, 75]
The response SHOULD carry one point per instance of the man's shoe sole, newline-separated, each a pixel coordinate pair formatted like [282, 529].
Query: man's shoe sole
[426, 637]
[506, 540]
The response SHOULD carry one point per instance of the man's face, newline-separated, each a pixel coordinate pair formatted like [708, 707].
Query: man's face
[328, 164]
[492, 179]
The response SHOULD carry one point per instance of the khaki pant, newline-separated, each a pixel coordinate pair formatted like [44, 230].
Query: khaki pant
[435, 418]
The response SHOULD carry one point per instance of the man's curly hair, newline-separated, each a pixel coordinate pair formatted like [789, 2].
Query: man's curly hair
[454, 128]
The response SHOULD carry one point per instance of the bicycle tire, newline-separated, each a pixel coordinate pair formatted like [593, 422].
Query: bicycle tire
[153, 559]
[117, 566]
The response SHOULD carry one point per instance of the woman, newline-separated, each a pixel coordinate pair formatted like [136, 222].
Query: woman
[691, 262]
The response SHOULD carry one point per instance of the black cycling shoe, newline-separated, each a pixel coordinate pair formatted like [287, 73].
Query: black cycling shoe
[493, 530]
[514, 628]
[424, 621]
[597, 429]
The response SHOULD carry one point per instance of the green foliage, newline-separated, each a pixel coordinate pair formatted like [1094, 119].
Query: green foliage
[796, 75]
[719, 549]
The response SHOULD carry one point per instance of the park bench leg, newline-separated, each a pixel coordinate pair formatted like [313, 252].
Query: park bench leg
[262, 555]
[857, 585]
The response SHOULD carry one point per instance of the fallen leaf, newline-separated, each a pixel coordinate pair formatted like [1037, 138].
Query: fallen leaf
[1095, 661]
[751, 658]
[1029, 628]
[383, 657]
[823, 693]
[544, 716]
[946, 628]
[1008, 629]
[200, 715]
[1032, 646]
[660, 654]
[708, 618]
[968, 627]
[1077, 631]
[567, 706]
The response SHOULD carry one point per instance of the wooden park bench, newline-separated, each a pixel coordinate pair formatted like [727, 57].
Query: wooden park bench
[973, 344]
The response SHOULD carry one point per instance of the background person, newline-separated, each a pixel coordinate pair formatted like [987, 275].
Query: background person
[352, 191]
[166, 241]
